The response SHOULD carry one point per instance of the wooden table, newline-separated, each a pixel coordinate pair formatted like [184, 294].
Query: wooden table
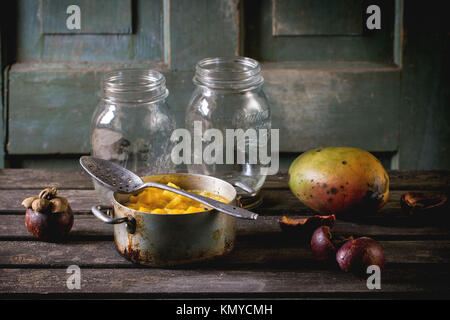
[264, 263]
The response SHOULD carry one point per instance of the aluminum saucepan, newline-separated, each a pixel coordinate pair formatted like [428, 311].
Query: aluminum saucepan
[162, 240]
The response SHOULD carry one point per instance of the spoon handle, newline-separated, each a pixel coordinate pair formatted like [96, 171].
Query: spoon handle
[220, 206]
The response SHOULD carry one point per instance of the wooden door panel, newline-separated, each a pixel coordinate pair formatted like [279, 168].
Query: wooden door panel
[201, 29]
[136, 32]
[276, 31]
[97, 17]
[334, 105]
[330, 80]
[51, 109]
[318, 18]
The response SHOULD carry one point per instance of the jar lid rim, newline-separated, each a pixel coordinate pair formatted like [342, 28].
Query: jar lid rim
[133, 79]
[234, 72]
[135, 85]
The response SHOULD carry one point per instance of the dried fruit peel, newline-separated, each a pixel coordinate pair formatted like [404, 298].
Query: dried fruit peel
[47, 202]
[306, 225]
[418, 202]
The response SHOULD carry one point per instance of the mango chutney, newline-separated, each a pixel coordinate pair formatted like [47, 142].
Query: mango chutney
[153, 200]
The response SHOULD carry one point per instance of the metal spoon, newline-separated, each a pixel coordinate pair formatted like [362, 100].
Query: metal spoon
[122, 180]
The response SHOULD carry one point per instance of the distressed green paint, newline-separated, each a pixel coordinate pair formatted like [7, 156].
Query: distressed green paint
[312, 17]
[45, 161]
[338, 105]
[324, 90]
[50, 109]
[166, 30]
[261, 44]
[145, 44]
[51, 103]
[398, 33]
[425, 120]
[2, 110]
[97, 17]
[200, 29]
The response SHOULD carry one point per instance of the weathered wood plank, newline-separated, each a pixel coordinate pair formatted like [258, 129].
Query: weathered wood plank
[89, 228]
[146, 43]
[66, 95]
[304, 112]
[300, 18]
[261, 44]
[390, 215]
[85, 227]
[399, 180]
[81, 201]
[425, 125]
[207, 21]
[306, 104]
[259, 252]
[426, 281]
[358, 108]
[99, 17]
[2, 111]
[78, 179]
[419, 179]
[41, 178]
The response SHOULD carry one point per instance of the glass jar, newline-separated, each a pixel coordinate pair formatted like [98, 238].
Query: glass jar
[229, 95]
[132, 124]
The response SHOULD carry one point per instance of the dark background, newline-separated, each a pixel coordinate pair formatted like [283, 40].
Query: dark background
[330, 81]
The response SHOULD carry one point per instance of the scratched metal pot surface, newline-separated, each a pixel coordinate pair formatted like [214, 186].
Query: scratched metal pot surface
[161, 240]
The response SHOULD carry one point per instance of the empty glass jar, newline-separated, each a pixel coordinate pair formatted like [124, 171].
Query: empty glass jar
[229, 96]
[132, 124]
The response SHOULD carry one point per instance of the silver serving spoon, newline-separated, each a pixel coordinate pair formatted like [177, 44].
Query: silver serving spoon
[122, 180]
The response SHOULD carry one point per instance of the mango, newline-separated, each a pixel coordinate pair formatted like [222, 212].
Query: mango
[153, 200]
[339, 180]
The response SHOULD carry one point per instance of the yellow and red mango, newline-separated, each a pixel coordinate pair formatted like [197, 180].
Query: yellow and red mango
[338, 180]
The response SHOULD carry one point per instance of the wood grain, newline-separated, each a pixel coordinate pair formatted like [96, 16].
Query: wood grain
[304, 112]
[66, 94]
[356, 93]
[99, 17]
[399, 281]
[79, 179]
[81, 201]
[307, 115]
[144, 44]
[89, 228]
[195, 30]
[13, 179]
[256, 252]
[300, 18]
[2, 108]
[425, 125]
[266, 261]
[261, 44]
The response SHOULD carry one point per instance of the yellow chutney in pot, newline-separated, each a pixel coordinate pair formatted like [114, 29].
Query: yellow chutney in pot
[153, 200]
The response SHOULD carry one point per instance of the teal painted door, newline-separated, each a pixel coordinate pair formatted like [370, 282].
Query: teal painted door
[330, 80]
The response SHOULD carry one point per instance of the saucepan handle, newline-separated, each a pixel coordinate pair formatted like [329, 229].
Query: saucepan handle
[251, 192]
[98, 211]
